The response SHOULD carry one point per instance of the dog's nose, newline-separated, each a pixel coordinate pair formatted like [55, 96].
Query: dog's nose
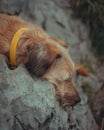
[77, 101]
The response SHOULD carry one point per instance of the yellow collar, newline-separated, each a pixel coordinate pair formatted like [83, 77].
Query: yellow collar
[14, 44]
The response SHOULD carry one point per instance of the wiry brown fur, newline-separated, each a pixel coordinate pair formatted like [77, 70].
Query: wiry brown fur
[44, 56]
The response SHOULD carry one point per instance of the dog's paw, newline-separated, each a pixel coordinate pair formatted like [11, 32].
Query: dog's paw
[82, 70]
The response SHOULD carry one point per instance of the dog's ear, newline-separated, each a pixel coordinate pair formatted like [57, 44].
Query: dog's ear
[81, 70]
[40, 57]
[62, 43]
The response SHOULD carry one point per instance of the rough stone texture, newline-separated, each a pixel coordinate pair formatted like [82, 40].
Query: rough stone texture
[98, 106]
[28, 103]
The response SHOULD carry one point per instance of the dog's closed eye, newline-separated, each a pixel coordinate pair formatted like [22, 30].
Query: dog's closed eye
[58, 57]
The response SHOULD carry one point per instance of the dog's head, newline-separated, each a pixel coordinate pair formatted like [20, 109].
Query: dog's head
[51, 61]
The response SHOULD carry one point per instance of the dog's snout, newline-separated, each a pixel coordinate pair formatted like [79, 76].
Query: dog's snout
[77, 100]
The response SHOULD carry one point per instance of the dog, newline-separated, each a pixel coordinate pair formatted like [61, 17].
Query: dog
[44, 56]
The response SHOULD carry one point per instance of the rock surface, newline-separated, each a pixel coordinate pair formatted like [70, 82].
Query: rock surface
[28, 103]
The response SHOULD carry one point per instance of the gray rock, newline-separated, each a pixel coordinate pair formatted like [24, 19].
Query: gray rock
[11, 7]
[28, 103]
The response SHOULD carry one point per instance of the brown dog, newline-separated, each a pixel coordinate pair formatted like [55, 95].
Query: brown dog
[44, 56]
